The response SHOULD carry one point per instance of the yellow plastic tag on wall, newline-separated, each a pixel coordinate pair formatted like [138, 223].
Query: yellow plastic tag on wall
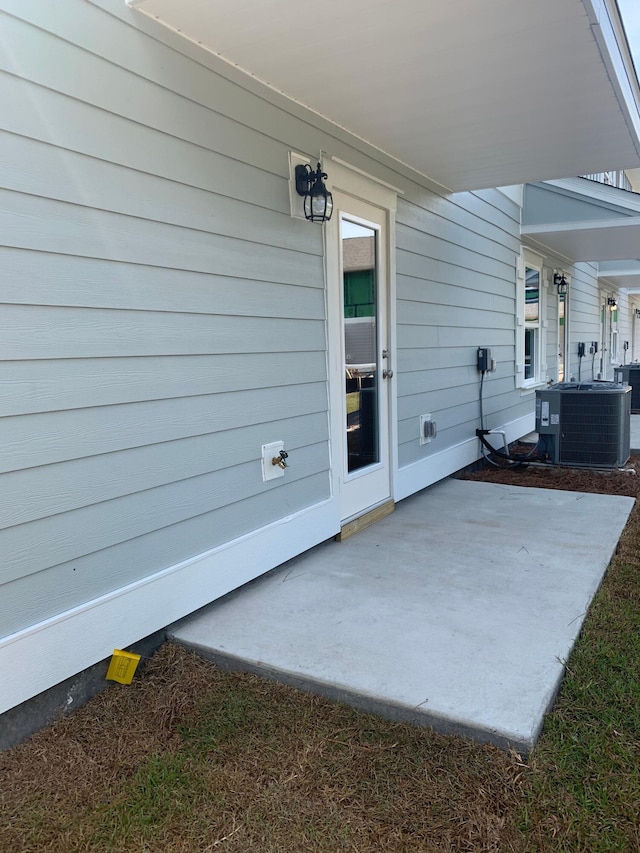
[122, 667]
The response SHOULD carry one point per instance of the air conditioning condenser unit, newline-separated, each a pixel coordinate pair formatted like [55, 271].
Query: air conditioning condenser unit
[585, 424]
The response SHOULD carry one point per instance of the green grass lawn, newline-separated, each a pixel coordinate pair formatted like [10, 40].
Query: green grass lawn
[189, 758]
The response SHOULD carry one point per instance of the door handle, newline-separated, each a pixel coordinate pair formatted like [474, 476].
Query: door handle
[387, 373]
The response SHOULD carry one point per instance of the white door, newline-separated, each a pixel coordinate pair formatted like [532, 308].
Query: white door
[562, 338]
[361, 361]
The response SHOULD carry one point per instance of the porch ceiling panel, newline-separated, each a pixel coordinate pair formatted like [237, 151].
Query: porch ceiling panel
[607, 240]
[622, 274]
[471, 94]
[583, 220]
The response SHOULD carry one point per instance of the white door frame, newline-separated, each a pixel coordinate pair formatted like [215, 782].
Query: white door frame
[359, 187]
[566, 350]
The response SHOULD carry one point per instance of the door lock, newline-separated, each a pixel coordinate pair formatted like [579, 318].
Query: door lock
[387, 374]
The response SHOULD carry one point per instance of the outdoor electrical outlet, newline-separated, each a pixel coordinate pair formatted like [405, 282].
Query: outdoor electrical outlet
[428, 429]
[271, 470]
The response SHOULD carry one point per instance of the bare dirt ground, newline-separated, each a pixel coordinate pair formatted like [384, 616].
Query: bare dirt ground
[603, 481]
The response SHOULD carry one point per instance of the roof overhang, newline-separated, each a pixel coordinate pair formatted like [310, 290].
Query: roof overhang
[582, 220]
[470, 94]
[624, 275]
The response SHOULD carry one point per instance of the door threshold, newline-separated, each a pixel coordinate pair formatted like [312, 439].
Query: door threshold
[366, 520]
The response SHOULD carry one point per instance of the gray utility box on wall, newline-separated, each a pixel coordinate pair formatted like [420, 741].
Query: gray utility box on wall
[585, 424]
[629, 374]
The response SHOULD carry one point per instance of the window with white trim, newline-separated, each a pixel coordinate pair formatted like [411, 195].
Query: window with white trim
[614, 336]
[530, 323]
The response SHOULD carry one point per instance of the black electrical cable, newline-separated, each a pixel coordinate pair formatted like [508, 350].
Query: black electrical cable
[514, 461]
[488, 458]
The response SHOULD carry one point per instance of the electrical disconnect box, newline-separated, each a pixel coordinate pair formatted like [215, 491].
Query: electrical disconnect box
[485, 361]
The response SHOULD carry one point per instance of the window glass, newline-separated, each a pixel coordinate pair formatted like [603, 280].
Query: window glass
[530, 309]
[529, 353]
[532, 294]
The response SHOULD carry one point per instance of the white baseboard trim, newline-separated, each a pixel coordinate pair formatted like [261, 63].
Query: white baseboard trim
[437, 466]
[36, 658]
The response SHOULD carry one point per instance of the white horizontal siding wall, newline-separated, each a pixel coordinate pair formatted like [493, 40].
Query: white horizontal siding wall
[584, 307]
[161, 317]
[456, 268]
[625, 327]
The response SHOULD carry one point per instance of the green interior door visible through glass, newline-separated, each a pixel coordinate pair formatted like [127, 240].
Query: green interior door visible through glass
[360, 334]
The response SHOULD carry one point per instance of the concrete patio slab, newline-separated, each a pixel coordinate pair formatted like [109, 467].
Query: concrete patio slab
[457, 612]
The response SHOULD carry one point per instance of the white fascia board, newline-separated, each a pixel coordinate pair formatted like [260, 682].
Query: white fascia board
[592, 190]
[609, 33]
[590, 225]
[621, 270]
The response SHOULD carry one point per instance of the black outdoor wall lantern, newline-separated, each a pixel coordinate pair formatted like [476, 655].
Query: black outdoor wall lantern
[318, 201]
[561, 283]
[611, 302]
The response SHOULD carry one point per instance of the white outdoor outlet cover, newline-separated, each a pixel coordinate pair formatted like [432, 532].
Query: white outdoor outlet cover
[269, 452]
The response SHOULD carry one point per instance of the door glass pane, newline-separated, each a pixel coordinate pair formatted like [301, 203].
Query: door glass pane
[359, 259]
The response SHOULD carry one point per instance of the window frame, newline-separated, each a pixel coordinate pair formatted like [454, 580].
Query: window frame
[536, 327]
[614, 334]
[562, 332]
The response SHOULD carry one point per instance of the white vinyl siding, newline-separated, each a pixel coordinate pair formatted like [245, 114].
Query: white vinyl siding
[585, 321]
[456, 292]
[162, 315]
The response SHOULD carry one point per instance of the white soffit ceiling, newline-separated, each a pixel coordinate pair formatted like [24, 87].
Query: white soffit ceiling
[604, 240]
[623, 274]
[472, 93]
[584, 221]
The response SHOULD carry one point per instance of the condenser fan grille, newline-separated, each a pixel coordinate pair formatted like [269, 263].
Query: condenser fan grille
[594, 429]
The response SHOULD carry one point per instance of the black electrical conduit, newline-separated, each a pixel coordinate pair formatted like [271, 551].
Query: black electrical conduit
[516, 460]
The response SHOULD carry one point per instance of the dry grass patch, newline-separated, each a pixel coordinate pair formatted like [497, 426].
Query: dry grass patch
[582, 792]
[189, 758]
